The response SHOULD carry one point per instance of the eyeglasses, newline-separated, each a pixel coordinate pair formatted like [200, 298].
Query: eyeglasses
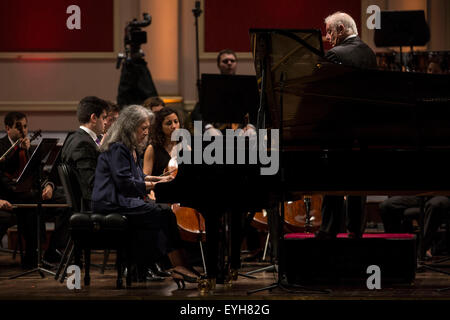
[228, 60]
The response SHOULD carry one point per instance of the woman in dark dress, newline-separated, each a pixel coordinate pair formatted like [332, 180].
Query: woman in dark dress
[158, 155]
[121, 186]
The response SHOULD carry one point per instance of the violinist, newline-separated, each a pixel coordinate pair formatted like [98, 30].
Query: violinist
[16, 125]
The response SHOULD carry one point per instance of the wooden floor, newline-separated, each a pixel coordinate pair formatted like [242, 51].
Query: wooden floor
[102, 286]
[39, 295]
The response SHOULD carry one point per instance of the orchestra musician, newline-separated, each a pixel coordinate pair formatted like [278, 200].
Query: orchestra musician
[239, 221]
[121, 186]
[112, 116]
[436, 209]
[16, 125]
[5, 217]
[81, 148]
[347, 49]
[161, 148]
[154, 104]
[158, 154]
[227, 62]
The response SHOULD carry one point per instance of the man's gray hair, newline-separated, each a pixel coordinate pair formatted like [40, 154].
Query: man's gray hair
[345, 19]
[124, 128]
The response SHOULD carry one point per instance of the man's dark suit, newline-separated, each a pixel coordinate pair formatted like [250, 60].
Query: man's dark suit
[354, 53]
[81, 152]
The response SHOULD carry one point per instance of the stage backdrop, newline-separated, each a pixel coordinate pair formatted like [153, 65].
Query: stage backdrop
[40, 26]
[226, 23]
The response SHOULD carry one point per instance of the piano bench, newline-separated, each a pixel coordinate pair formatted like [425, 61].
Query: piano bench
[344, 261]
[99, 231]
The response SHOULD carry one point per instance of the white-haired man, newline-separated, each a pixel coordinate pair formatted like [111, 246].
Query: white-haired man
[349, 50]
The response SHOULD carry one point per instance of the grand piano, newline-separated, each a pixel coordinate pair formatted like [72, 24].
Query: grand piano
[343, 130]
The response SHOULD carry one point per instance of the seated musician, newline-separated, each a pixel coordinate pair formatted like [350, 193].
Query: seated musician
[16, 125]
[113, 114]
[81, 148]
[154, 104]
[349, 50]
[161, 148]
[5, 217]
[5, 205]
[240, 226]
[436, 208]
[227, 65]
[121, 186]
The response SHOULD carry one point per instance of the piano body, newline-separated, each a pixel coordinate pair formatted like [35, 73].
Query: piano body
[343, 130]
[348, 129]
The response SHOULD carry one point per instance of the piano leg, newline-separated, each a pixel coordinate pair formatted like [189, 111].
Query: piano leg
[220, 245]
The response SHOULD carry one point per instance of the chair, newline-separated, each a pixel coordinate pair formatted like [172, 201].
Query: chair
[90, 230]
[417, 213]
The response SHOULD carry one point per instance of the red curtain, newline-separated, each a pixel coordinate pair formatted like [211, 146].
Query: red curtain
[227, 23]
[38, 26]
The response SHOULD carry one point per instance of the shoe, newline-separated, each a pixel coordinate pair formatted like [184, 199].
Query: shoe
[322, 235]
[133, 273]
[158, 270]
[181, 274]
[151, 276]
[139, 275]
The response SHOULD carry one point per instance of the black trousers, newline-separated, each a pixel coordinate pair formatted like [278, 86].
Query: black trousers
[334, 211]
[392, 214]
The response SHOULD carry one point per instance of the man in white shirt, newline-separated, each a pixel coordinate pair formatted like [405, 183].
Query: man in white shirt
[81, 148]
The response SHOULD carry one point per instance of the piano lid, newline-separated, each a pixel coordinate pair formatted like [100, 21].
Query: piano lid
[328, 105]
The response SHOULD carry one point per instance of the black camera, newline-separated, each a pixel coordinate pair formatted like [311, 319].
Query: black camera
[134, 36]
[133, 39]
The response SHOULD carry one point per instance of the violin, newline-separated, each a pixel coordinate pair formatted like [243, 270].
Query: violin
[13, 148]
[10, 152]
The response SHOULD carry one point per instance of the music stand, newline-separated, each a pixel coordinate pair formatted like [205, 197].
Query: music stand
[26, 180]
[228, 98]
[402, 28]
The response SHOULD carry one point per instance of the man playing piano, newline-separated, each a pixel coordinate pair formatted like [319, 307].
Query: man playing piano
[349, 50]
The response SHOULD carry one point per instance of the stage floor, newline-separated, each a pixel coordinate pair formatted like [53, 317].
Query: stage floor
[33, 287]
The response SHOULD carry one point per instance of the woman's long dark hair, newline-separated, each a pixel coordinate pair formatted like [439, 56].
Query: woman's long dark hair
[157, 135]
